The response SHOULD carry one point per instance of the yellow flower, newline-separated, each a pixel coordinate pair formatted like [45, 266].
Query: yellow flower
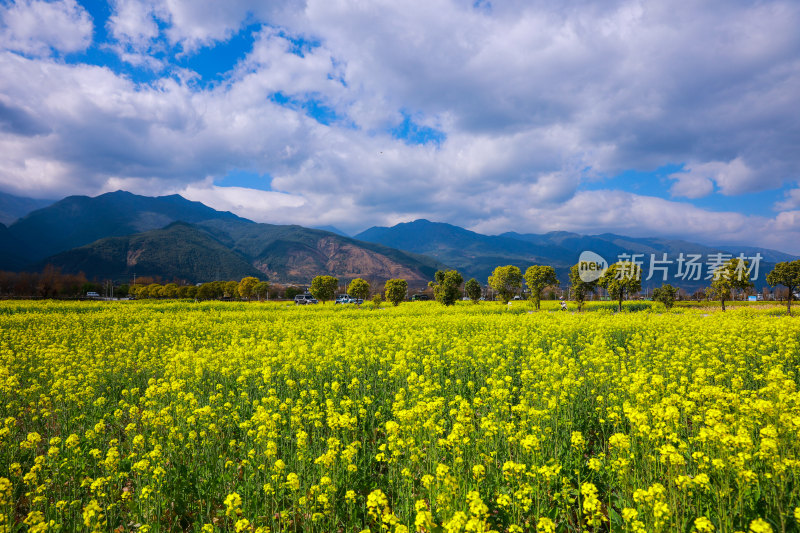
[545, 525]
[233, 504]
[703, 525]
[760, 525]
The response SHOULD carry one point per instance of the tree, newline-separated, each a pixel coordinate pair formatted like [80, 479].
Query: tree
[155, 290]
[666, 295]
[323, 288]
[538, 277]
[247, 287]
[292, 291]
[727, 277]
[261, 290]
[506, 280]
[473, 290]
[359, 289]
[622, 279]
[396, 290]
[580, 288]
[170, 290]
[699, 295]
[218, 287]
[446, 289]
[230, 289]
[787, 274]
[49, 281]
[205, 291]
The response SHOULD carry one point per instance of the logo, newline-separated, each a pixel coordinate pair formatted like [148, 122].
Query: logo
[591, 266]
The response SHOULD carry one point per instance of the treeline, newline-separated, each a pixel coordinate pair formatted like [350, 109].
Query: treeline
[49, 283]
[621, 280]
[248, 288]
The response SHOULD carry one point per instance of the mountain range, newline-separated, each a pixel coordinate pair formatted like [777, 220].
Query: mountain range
[476, 255]
[14, 207]
[119, 234]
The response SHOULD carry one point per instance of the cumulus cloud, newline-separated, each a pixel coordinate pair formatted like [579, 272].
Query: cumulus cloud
[698, 180]
[134, 22]
[790, 202]
[190, 24]
[37, 27]
[525, 101]
[248, 203]
[647, 216]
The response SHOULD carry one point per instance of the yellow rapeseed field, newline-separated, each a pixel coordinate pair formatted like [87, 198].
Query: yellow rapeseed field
[183, 416]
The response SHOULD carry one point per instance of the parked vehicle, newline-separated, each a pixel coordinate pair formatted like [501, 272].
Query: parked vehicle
[304, 299]
[347, 299]
[420, 298]
[92, 294]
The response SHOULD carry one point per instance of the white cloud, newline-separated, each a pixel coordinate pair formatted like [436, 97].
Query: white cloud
[134, 22]
[792, 201]
[260, 206]
[734, 177]
[36, 27]
[691, 185]
[788, 226]
[192, 24]
[635, 215]
[531, 96]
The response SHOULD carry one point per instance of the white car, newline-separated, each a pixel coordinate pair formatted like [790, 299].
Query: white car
[347, 299]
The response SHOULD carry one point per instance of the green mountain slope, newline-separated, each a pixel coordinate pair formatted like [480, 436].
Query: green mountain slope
[79, 220]
[296, 254]
[477, 255]
[473, 254]
[179, 251]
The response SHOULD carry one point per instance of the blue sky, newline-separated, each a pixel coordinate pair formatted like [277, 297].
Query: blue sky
[646, 119]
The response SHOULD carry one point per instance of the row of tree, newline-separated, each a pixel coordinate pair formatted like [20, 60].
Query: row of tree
[248, 288]
[621, 280]
[324, 288]
[49, 283]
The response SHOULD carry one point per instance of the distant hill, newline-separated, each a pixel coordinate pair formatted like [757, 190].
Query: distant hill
[476, 255]
[610, 246]
[79, 220]
[294, 253]
[179, 251]
[116, 234]
[13, 207]
[332, 229]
